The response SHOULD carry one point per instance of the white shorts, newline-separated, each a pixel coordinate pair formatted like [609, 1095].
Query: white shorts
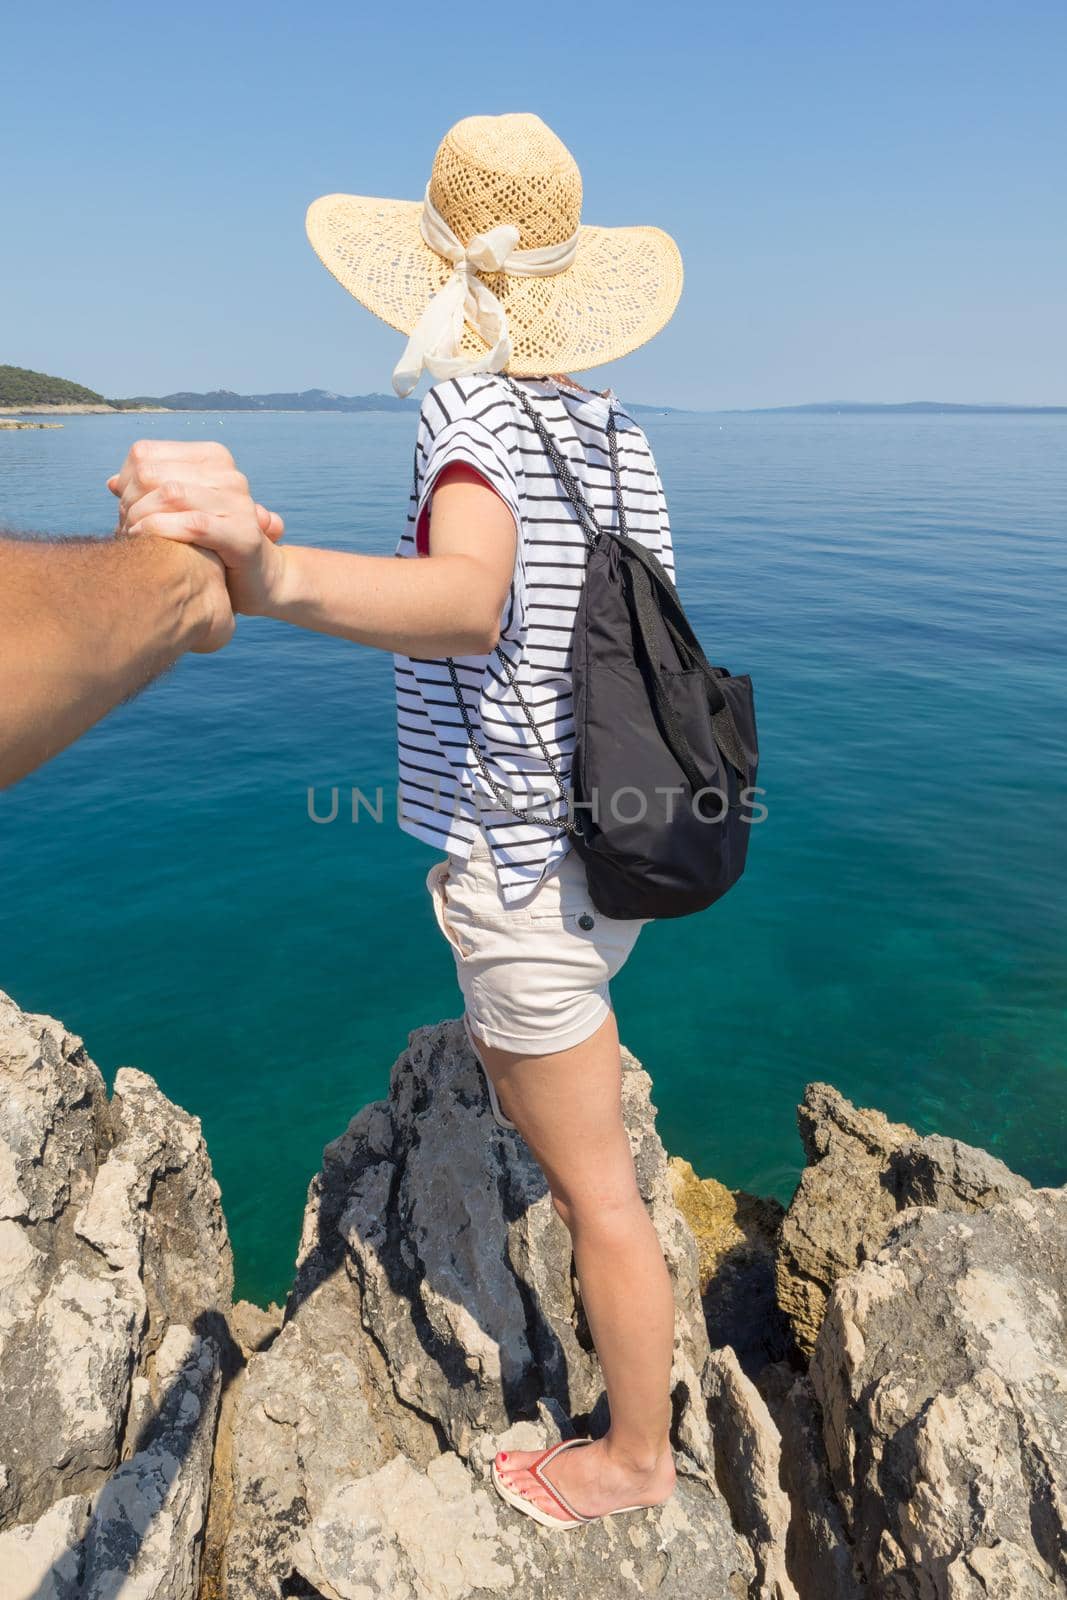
[534, 977]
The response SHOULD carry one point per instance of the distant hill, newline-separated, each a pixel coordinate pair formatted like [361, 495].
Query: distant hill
[306, 400]
[659, 411]
[327, 400]
[19, 386]
[884, 408]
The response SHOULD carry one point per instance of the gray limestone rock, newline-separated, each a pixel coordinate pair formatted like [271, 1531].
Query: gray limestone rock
[115, 1281]
[749, 1470]
[42, 1560]
[862, 1171]
[941, 1373]
[841, 1203]
[819, 1551]
[440, 1534]
[147, 1519]
[434, 1319]
[951, 1176]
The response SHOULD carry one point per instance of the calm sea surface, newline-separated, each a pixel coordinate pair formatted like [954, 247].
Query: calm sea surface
[897, 587]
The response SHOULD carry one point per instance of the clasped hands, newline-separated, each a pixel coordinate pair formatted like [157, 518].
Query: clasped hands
[191, 492]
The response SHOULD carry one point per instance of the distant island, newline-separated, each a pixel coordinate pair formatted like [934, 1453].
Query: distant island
[21, 387]
[306, 400]
[24, 390]
[894, 407]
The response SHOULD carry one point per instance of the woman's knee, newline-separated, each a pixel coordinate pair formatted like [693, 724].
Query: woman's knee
[605, 1212]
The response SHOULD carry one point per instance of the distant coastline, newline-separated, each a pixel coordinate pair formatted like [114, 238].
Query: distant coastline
[72, 409]
[356, 404]
[837, 408]
[27, 393]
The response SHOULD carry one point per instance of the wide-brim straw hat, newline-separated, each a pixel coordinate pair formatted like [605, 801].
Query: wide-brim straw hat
[619, 290]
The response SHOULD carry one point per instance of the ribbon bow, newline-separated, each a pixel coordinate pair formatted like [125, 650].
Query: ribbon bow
[435, 340]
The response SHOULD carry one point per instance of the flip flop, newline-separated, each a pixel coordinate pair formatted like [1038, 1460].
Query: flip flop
[574, 1518]
[494, 1104]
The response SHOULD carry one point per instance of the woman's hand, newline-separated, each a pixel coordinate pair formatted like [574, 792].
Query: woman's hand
[448, 604]
[192, 493]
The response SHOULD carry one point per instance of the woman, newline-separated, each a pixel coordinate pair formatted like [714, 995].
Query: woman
[498, 285]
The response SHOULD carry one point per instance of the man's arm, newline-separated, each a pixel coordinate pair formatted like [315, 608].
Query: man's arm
[85, 624]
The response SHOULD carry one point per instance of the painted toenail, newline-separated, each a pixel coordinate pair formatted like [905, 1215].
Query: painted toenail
[503, 1455]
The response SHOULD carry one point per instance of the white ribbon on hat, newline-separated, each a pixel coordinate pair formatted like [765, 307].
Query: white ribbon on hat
[436, 338]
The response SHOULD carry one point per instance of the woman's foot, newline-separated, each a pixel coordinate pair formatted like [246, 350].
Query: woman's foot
[593, 1479]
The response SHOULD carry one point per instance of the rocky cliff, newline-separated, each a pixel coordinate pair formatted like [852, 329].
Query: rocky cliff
[115, 1291]
[870, 1390]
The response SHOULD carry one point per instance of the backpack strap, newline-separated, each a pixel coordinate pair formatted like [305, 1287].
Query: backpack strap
[502, 796]
[586, 517]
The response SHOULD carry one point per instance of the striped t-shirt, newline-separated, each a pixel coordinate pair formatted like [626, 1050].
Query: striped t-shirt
[443, 796]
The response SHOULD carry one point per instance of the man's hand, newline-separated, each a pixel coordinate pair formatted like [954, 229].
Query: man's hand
[207, 579]
[193, 494]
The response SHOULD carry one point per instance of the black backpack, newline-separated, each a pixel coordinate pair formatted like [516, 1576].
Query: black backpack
[665, 756]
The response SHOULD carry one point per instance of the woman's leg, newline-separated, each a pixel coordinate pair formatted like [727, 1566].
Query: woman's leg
[568, 1108]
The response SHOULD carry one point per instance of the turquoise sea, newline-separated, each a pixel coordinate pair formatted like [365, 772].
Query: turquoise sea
[896, 586]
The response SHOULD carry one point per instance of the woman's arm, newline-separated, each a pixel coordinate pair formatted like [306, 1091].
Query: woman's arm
[448, 603]
[443, 606]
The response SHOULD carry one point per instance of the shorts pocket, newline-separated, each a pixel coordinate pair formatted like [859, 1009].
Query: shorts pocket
[563, 896]
[436, 882]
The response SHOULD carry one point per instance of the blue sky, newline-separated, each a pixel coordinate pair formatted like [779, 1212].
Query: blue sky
[869, 197]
